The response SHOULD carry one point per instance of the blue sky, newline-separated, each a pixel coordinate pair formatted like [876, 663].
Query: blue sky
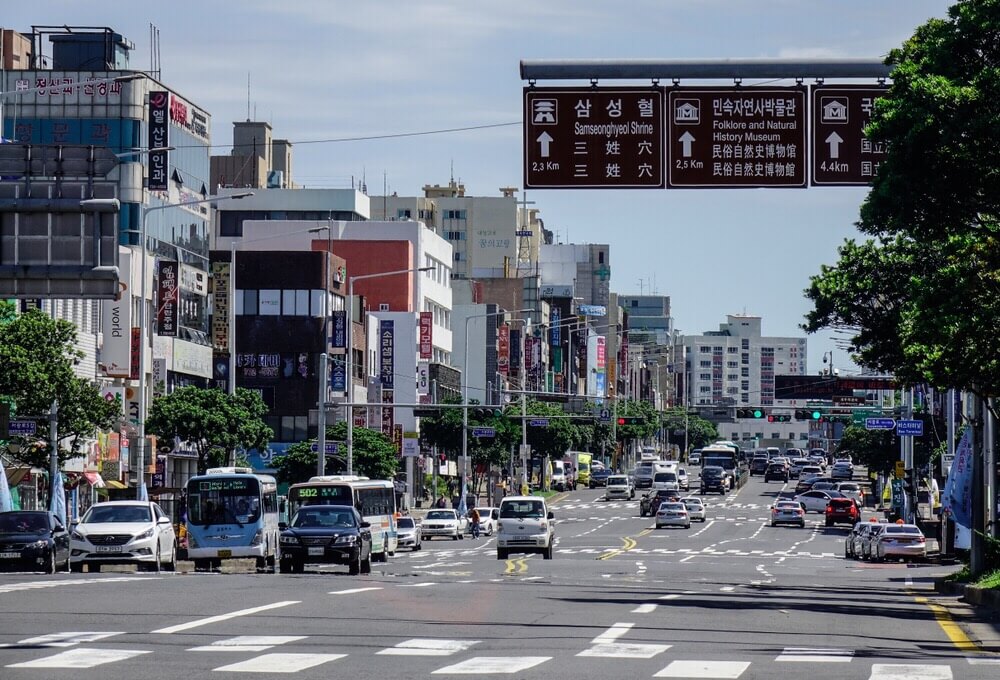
[334, 70]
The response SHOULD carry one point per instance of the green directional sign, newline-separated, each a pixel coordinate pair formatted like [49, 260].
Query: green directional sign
[861, 415]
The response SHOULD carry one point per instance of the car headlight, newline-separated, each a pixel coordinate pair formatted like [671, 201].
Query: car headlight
[148, 533]
[288, 540]
[500, 529]
[77, 536]
[350, 539]
[543, 527]
[39, 545]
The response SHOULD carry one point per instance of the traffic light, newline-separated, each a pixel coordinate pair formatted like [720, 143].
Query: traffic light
[846, 420]
[809, 414]
[487, 413]
[779, 418]
[631, 420]
[753, 413]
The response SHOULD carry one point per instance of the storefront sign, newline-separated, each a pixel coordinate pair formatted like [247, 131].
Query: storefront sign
[426, 334]
[423, 377]
[116, 320]
[555, 317]
[503, 349]
[339, 339]
[193, 280]
[338, 373]
[159, 138]
[386, 334]
[220, 302]
[387, 413]
[136, 349]
[167, 299]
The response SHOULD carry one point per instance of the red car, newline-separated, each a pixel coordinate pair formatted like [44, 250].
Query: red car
[842, 511]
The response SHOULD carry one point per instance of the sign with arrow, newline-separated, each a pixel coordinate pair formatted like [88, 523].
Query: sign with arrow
[331, 447]
[841, 153]
[598, 138]
[736, 137]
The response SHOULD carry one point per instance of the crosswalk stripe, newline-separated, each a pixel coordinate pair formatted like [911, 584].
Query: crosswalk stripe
[64, 639]
[480, 665]
[721, 670]
[248, 643]
[81, 657]
[907, 671]
[815, 655]
[280, 663]
[428, 647]
[624, 650]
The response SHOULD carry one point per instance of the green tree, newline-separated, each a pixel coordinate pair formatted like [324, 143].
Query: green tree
[211, 420]
[375, 456]
[37, 355]
[916, 296]
[700, 432]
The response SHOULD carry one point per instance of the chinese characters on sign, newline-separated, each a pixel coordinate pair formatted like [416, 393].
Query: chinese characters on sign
[426, 334]
[387, 370]
[841, 153]
[167, 297]
[610, 137]
[736, 137]
[159, 136]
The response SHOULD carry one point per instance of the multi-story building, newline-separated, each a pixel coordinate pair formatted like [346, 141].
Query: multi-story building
[735, 366]
[74, 86]
[491, 236]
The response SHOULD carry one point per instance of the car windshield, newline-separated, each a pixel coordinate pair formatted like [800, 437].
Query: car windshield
[664, 477]
[848, 487]
[23, 523]
[104, 514]
[672, 506]
[903, 529]
[786, 504]
[311, 517]
[521, 509]
[617, 480]
[405, 523]
[692, 501]
[441, 514]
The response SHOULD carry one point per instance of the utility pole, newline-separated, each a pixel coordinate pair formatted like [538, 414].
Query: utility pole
[945, 529]
[977, 553]
[54, 448]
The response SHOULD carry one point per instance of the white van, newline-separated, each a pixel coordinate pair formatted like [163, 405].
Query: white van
[524, 526]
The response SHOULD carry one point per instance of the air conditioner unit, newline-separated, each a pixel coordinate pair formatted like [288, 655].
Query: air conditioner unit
[383, 307]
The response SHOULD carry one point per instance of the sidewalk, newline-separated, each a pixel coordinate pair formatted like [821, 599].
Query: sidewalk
[977, 611]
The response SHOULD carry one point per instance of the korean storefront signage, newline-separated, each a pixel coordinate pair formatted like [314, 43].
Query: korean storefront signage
[339, 339]
[426, 334]
[167, 299]
[503, 349]
[159, 138]
[386, 335]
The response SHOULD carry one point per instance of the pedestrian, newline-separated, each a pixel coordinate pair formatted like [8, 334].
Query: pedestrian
[441, 502]
[474, 516]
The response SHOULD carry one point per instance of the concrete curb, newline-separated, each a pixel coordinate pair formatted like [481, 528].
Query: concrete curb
[984, 598]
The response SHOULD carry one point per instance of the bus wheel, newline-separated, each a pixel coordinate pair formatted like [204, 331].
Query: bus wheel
[261, 563]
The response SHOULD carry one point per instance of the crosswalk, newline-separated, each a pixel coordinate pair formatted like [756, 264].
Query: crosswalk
[266, 654]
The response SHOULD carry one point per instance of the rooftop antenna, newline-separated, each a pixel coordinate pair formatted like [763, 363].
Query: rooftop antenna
[248, 96]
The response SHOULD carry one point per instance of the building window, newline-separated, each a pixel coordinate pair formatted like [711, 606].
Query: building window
[732, 350]
[269, 303]
[250, 302]
[403, 214]
[705, 364]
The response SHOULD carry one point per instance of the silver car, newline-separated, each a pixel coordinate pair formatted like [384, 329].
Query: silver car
[673, 515]
[852, 490]
[619, 487]
[695, 507]
[904, 541]
[408, 533]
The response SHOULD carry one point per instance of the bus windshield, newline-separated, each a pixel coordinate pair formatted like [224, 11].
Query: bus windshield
[224, 500]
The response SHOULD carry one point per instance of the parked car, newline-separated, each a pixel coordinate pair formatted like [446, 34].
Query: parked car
[904, 541]
[444, 522]
[408, 533]
[842, 469]
[852, 544]
[326, 534]
[599, 477]
[776, 471]
[123, 532]
[695, 507]
[714, 478]
[652, 500]
[842, 511]
[33, 540]
[488, 518]
[619, 486]
[673, 514]
[788, 512]
[525, 525]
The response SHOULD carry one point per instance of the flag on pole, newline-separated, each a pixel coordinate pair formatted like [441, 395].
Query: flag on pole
[6, 500]
[143, 494]
[57, 505]
[956, 501]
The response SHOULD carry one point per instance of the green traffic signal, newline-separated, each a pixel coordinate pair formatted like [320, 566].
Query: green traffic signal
[816, 415]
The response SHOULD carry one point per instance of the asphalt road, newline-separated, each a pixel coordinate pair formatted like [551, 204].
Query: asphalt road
[730, 598]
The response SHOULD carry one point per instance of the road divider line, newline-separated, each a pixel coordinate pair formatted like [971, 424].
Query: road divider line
[612, 633]
[522, 566]
[509, 568]
[351, 591]
[647, 608]
[948, 625]
[197, 623]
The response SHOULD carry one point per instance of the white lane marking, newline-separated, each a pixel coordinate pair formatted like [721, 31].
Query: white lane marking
[674, 596]
[417, 585]
[983, 660]
[247, 643]
[532, 578]
[689, 557]
[624, 650]
[279, 663]
[223, 617]
[612, 633]
[351, 591]
[815, 655]
[703, 529]
[480, 665]
[906, 671]
[63, 639]
[723, 670]
[32, 585]
[428, 647]
[81, 657]
[644, 609]
[909, 581]
[727, 589]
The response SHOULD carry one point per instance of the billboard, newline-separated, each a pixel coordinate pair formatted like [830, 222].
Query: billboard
[159, 137]
[116, 324]
[167, 299]
[842, 155]
[426, 334]
[386, 342]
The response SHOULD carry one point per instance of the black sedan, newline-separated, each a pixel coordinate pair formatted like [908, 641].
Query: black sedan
[326, 534]
[33, 540]
[599, 477]
[650, 502]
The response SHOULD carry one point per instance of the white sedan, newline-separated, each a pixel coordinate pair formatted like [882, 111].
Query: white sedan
[488, 520]
[445, 523]
[695, 507]
[814, 501]
[123, 532]
[673, 515]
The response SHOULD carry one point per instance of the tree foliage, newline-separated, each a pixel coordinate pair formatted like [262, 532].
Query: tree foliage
[374, 456]
[214, 422]
[700, 432]
[919, 295]
[37, 355]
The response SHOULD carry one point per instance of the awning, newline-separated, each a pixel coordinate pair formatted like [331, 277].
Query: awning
[94, 480]
[112, 484]
[15, 475]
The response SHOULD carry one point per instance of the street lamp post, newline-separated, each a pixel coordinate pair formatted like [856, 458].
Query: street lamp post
[143, 330]
[348, 364]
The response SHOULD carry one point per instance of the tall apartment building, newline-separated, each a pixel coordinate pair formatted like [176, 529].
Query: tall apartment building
[491, 236]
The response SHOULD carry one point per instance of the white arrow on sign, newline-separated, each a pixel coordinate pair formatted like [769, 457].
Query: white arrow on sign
[685, 141]
[834, 140]
[544, 139]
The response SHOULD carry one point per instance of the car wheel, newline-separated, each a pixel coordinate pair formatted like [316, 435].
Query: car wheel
[157, 565]
[688, 525]
[76, 567]
[366, 565]
[829, 523]
[455, 537]
[502, 553]
[93, 568]
[202, 565]
[354, 568]
[172, 564]
[547, 553]
[298, 567]
[50, 567]
[284, 566]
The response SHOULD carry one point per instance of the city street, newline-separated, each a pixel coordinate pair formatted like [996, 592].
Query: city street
[728, 598]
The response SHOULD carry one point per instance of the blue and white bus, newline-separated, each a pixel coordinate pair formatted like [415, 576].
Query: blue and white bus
[375, 499]
[232, 513]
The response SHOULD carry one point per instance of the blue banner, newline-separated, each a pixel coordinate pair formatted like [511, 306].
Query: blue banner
[386, 342]
[555, 317]
[340, 329]
[338, 373]
[957, 498]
